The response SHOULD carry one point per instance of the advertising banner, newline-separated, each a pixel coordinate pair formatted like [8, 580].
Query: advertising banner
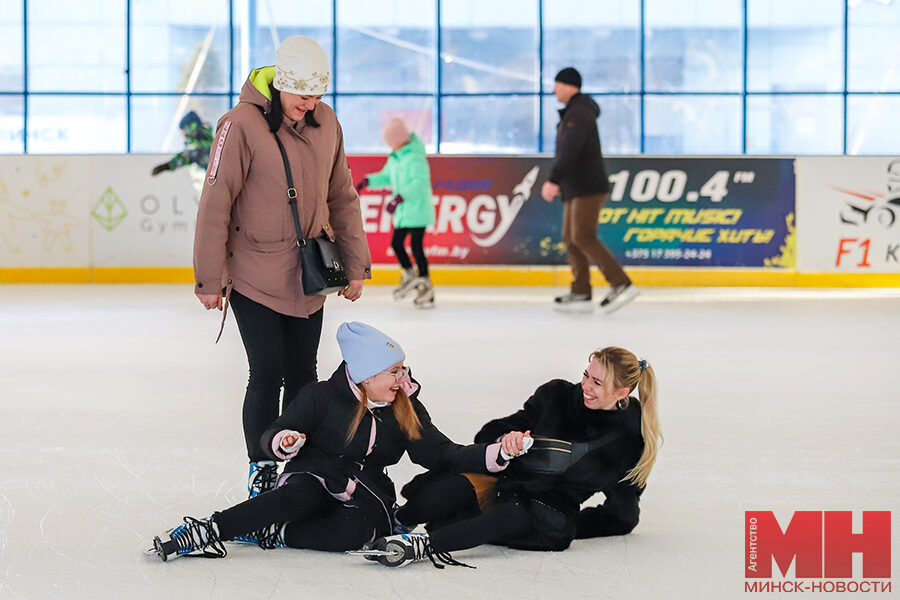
[140, 220]
[44, 218]
[662, 212]
[849, 208]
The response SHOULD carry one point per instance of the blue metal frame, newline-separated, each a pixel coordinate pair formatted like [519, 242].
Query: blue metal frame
[438, 94]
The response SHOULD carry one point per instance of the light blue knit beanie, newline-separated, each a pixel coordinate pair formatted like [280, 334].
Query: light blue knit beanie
[366, 350]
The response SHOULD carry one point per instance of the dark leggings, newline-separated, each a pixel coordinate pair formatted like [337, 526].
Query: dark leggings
[416, 235]
[451, 496]
[281, 350]
[315, 520]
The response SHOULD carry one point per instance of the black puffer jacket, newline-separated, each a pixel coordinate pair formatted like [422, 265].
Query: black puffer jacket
[578, 166]
[557, 410]
[324, 411]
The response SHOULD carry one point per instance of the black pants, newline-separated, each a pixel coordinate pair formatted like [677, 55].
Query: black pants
[281, 350]
[416, 235]
[441, 500]
[315, 520]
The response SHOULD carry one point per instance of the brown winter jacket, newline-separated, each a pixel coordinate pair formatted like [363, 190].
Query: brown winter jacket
[245, 235]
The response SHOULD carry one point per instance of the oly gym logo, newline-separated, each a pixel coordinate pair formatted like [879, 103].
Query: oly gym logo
[820, 545]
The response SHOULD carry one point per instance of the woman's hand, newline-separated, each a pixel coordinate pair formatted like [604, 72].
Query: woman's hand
[353, 290]
[210, 301]
[287, 443]
[511, 444]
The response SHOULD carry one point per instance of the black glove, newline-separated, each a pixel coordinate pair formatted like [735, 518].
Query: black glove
[391, 206]
[160, 168]
[363, 183]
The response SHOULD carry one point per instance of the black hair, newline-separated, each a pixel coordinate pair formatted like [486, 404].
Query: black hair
[276, 113]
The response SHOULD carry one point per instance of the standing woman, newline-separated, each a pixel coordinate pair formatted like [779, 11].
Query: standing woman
[589, 437]
[245, 246]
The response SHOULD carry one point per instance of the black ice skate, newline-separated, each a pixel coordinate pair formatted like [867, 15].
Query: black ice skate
[573, 303]
[398, 550]
[618, 297]
[195, 537]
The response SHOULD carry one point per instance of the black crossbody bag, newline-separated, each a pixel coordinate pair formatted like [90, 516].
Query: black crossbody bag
[549, 456]
[322, 269]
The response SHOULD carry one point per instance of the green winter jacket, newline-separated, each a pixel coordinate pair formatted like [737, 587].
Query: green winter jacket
[407, 173]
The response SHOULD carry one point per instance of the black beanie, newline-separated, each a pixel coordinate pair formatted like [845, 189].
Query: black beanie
[569, 75]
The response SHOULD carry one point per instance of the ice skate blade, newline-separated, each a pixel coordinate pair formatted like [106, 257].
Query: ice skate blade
[373, 553]
[574, 307]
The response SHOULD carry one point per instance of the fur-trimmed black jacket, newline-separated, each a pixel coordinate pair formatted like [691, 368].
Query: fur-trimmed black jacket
[557, 410]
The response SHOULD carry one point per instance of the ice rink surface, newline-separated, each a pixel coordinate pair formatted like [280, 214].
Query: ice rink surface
[118, 416]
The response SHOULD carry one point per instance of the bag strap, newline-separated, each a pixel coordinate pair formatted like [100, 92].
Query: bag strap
[291, 191]
[580, 449]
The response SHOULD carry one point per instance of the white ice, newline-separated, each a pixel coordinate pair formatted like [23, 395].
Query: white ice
[120, 416]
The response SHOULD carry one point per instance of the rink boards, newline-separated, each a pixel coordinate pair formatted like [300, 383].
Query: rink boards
[674, 221]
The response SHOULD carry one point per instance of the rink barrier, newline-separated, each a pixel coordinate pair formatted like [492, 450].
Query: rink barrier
[489, 276]
[671, 221]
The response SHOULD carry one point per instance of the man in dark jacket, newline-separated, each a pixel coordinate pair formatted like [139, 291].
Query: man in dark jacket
[579, 176]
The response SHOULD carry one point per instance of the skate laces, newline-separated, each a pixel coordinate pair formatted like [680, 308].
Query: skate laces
[198, 535]
[421, 547]
[271, 537]
[262, 478]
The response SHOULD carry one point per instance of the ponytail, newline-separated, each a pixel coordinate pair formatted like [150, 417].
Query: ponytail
[624, 370]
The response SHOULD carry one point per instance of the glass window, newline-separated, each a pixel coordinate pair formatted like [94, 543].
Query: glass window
[694, 45]
[12, 78]
[872, 124]
[386, 46]
[179, 46]
[692, 125]
[154, 119]
[76, 46]
[807, 124]
[12, 124]
[873, 46]
[260, 27]
[619, 123]
[489, 124]
[600, 38]
[60, 124]
[363, 117]
[489, 46]
[795, 46]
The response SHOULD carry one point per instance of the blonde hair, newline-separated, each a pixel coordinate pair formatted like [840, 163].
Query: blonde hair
[403, 411]
[624, 370]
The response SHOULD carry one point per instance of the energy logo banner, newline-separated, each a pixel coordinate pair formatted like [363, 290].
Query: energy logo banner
[661, 212]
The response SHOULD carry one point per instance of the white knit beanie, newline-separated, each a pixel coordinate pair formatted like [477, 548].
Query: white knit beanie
[301, 67]
[366, 350]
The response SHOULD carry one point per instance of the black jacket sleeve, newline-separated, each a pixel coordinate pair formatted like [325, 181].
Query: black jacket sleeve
[570, 140]
[617, 515]
[524, 419]
[302, 415]
[434, 450]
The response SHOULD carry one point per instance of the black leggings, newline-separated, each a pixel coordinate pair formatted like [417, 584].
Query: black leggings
[281, 350]
[416, 235]
[444, 498]
[315, 520]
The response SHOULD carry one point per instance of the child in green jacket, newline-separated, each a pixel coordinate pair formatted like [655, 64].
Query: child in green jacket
[407, 174]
